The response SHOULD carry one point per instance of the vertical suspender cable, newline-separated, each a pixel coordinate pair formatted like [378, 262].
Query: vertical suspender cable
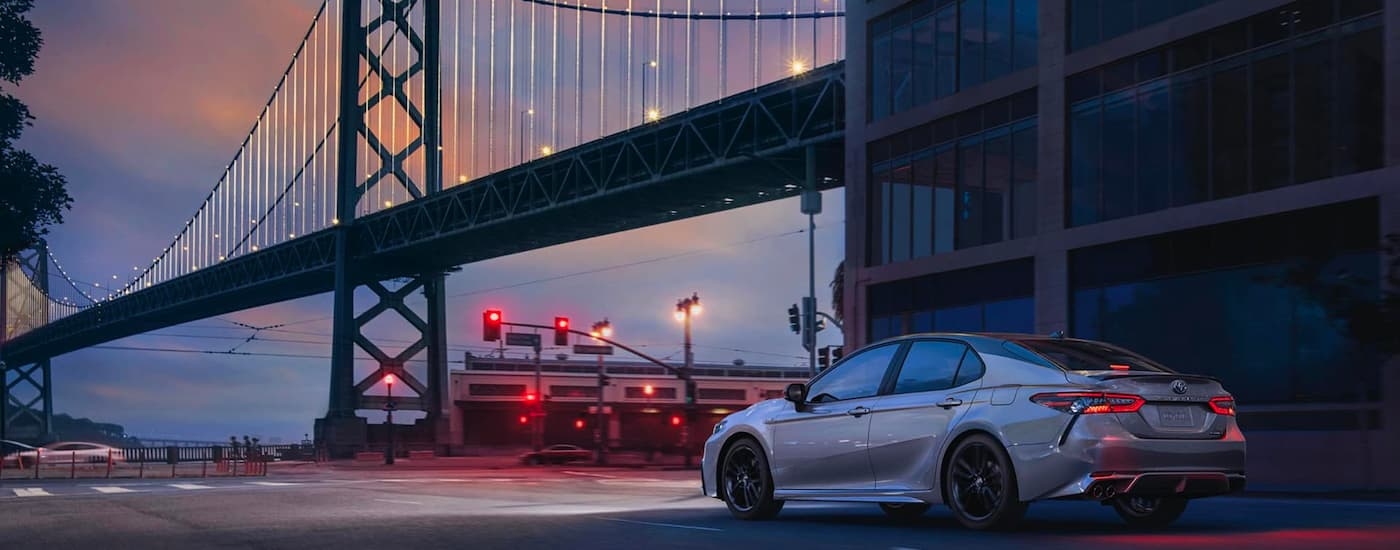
[510, 85]
[491, 92]
[603, 73]
[628, 68]
[755, 43]
[578, 77]
[392, 143]
[723, 54]
[456, 90]
[554, 83]
[689, 49]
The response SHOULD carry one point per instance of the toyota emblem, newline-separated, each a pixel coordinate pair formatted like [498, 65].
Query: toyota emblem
[1179, 387]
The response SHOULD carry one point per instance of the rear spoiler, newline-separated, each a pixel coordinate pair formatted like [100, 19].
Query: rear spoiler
[1111, 374]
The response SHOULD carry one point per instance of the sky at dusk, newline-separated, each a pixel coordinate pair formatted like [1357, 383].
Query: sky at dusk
[141, 103]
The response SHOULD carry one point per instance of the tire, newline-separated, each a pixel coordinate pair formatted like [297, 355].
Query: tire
[904, 511]
[746, 483]
[979, 485]
[1149, 512]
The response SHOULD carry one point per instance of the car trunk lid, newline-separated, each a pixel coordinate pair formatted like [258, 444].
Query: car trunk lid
[1177, 406]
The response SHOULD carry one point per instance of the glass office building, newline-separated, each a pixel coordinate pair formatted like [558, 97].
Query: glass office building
[1153, 173]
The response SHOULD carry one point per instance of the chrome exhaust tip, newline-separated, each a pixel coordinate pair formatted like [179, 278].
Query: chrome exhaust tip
[1096, 491]
[1109, 492]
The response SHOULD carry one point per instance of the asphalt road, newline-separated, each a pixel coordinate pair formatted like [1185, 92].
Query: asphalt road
[560, 507]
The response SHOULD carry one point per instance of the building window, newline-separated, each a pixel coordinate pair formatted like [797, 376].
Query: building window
[1205, 118]
[930, 49]
[1095, 21]
[721, 394]
[639, 392]
[990, 298]
[1219, 289]
[497, 390]
[962, 181]
[573, 391]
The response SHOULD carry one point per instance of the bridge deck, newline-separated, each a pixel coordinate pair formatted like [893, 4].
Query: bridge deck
[745, 149]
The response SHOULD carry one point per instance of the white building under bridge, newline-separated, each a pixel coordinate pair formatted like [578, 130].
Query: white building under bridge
[644, 403]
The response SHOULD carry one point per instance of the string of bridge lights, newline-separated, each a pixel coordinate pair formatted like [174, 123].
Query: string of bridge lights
[281, 182]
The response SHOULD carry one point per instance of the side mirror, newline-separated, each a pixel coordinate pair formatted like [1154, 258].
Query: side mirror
[796, 393]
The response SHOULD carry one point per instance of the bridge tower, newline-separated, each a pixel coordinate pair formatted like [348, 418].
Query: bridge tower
[26, 389]
[342, 431]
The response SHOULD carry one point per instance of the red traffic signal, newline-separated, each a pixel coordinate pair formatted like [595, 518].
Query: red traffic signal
[491, 325]
[561, 331]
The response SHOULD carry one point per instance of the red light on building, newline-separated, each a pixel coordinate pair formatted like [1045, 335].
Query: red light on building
[578, 424]
[524, 419]
[675, 420]
[529, 398]
[648, 390]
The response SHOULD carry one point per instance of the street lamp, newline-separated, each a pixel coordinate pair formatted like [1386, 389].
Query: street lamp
[601, 329]
[389, 422]
[686, 308]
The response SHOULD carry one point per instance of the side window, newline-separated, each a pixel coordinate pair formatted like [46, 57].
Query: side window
[930, 365]
[971, 368]
[858, 376]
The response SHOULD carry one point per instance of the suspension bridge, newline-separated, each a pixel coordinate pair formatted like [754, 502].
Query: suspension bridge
[408, 137]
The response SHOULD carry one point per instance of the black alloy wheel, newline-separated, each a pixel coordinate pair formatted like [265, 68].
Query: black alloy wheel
[746, 483]
[980, 485]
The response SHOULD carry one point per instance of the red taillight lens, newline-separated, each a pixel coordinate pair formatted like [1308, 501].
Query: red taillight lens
[1223, 405]
[1089, 402]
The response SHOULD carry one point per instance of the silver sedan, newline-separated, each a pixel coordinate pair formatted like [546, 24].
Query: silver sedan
[985, 423]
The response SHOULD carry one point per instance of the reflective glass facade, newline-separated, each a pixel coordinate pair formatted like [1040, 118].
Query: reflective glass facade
[1094, 21]
[930, 49]
[1210, 301]
[1285, 97]
[961, 181]
[991, 298]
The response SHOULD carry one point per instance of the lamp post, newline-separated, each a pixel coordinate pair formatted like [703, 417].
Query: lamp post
[600, 436]
[686, 308]
[389, 421]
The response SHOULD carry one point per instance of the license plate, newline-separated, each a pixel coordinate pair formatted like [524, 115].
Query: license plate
[1176, 417]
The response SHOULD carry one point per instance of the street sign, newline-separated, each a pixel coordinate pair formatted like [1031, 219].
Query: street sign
[522, 339]
[590, 349]
[593, 409]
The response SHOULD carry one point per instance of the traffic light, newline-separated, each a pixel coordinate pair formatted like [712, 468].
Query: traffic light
[561, 331]
[795, 319]
[581, 422]
[491, 325]
[821, 323]
[675, 420]
[823, 358]
[837, 352]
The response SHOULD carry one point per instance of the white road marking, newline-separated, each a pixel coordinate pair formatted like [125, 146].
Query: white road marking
[672, 525]
[112, 490]
[189, 486]
[397, 501]
[573, 473]
[273, 483]
[32, 492]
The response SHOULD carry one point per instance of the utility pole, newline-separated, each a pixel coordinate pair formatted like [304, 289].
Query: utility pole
[811, 206]
[685, 309]
[601, 329]
[536, 430]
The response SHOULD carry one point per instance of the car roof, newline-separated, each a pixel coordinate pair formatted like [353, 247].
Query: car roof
[983, 342]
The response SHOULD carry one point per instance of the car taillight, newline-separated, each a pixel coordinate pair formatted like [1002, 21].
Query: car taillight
[1089, 402]
[1223, 405]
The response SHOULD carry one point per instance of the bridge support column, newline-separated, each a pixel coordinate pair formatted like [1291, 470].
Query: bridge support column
[27, 394]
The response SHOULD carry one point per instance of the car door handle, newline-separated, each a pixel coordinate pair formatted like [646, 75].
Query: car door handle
[950, 402]
[858, 412]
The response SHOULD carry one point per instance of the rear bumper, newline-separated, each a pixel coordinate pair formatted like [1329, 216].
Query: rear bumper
[1159, 484]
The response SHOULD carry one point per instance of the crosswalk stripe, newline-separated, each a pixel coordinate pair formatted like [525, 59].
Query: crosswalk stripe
[189, 486]
[32, 492]
[112, 490]
[272, 483]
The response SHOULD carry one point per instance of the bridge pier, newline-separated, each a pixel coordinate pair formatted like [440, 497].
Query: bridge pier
[342, 432]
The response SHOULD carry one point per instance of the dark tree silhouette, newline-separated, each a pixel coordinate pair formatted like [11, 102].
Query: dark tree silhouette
[838, 292]
[33, 195]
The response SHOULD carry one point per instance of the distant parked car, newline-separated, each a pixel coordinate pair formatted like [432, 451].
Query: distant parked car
[66, 452]
[556, 454]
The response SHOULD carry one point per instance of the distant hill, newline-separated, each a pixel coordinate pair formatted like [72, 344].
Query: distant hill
[67, 428]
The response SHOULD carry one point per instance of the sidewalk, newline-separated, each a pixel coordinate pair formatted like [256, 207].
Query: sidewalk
[629, 460]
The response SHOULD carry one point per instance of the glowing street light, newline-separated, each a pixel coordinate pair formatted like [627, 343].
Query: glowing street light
[546, 150]
[798, 66]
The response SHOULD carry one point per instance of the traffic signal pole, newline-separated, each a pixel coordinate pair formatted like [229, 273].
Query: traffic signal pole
[811, 206]
[536, 428]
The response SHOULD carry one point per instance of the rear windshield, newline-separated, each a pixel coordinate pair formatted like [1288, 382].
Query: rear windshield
[1086, 355]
